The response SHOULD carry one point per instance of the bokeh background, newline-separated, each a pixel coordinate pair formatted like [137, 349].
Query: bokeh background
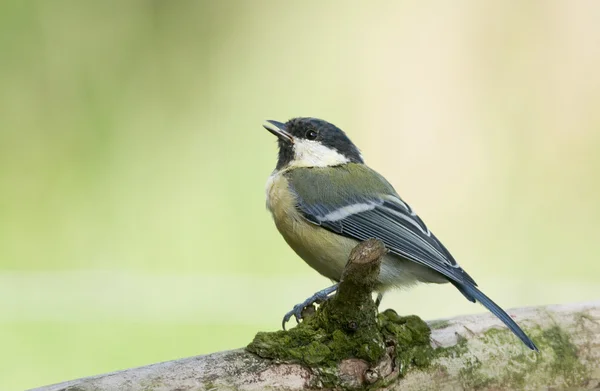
[132, 162]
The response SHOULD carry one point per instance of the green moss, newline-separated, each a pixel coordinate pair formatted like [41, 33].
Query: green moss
[411, 335]
[566, 361]
[456, 350]
[558, 358]
[322, 341]
[515, 367]
[438, 324]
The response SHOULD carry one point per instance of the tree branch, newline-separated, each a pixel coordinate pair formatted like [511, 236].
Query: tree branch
[471, 352]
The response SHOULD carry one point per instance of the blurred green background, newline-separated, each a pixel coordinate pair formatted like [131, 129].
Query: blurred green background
[132, 162]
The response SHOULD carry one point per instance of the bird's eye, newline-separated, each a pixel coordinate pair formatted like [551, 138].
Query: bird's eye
[311, 134]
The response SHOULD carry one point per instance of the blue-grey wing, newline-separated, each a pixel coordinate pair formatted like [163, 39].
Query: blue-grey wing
[391, 220]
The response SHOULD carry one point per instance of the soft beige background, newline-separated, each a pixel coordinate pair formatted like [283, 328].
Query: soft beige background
[133, 161]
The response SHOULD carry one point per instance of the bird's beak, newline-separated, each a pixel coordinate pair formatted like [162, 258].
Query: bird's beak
[278, 129]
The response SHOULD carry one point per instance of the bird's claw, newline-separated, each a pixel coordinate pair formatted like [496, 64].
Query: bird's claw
[317, 298]
[296, 312]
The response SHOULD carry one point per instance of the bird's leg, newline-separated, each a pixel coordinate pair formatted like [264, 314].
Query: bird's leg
[378, 299]
[318, 297]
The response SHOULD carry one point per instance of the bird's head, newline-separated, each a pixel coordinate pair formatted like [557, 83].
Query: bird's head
[312, 142]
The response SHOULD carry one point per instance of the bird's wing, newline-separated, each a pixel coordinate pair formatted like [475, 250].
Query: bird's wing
[357, 202]
[391, 220]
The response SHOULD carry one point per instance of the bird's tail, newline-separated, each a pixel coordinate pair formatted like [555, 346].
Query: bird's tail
[473, 294]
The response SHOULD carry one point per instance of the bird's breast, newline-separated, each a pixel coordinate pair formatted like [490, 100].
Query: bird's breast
[322, 250]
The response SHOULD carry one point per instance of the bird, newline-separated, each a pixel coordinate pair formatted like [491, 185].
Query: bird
[325, 200]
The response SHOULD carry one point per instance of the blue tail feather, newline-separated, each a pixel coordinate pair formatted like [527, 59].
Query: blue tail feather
[473, 294]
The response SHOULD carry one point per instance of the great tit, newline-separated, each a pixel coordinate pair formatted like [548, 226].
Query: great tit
[325, 200]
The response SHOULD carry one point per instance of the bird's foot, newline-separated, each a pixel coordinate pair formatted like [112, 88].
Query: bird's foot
[317, 298]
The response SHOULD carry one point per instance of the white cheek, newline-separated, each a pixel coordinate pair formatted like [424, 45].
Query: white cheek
[308, 153]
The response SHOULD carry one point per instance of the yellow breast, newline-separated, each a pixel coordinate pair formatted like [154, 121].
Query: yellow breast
[324, 251]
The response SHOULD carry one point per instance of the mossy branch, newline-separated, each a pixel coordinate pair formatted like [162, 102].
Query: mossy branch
[346, 345]
[477, 354]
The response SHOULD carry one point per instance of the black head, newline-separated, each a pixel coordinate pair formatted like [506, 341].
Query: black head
[312, 142]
